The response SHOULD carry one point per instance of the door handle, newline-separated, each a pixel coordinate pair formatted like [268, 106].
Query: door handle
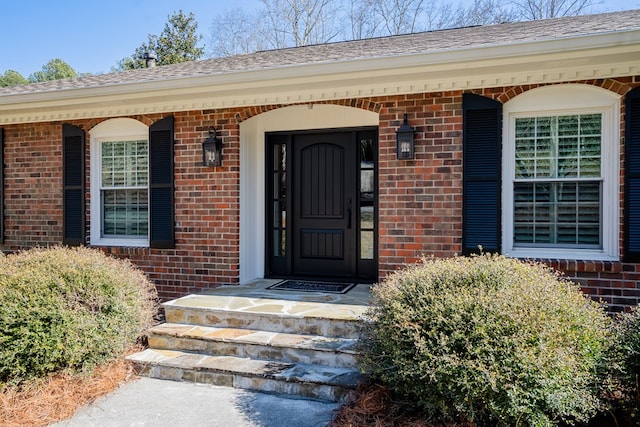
[349, 214]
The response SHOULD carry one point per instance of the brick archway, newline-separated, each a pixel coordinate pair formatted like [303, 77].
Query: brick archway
[363, 104]
[619, 86]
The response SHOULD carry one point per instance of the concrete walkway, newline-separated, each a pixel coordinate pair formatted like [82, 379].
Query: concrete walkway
[161, 403]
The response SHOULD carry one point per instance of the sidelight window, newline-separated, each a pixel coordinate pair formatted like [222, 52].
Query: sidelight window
[279, 202]
[367, 199]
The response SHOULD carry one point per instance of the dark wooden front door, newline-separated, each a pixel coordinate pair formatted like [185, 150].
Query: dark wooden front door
[321, 204]
[324, 194]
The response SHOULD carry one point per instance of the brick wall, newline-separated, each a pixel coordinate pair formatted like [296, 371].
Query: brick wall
[33, 184]
[420, 201]
[614, 283]
[207, 211]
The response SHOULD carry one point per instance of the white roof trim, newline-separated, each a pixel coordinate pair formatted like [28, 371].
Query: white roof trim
[615, 54]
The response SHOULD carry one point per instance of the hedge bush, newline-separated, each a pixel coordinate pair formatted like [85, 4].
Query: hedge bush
[624, 363]
[487, 339]
[68, 308]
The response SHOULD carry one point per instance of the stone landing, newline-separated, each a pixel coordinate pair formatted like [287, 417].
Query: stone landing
[296, 343]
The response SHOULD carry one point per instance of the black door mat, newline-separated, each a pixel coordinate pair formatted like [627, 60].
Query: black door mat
[306, 286]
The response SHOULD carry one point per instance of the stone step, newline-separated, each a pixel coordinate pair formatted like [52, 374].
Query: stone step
[287, 316]
[299, 379]
[255, 344]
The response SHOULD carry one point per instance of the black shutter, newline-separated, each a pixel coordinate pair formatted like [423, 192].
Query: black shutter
[73, 227]
[482, 152]
[1, 185]
[632, 178]
[161, 184]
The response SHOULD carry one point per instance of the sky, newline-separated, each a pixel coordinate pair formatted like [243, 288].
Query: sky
[93, 35]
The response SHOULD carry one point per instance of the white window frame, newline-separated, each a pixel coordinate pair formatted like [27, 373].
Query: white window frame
[120, 129]
[569, 99]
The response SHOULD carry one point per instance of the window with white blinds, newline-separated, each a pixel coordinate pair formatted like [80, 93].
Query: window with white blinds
[120, 202]
[561, 173]
[558, 180]
[124, 194]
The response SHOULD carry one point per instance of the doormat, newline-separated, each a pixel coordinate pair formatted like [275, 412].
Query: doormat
[306, 286]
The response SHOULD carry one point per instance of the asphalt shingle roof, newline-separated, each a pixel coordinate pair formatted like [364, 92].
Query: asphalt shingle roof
[433, 41]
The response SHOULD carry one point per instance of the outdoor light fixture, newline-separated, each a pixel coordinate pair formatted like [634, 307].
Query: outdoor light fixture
[212, 149]
[405, 143]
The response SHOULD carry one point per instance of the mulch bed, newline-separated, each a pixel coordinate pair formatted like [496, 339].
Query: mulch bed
[371, 404]
[59, 396]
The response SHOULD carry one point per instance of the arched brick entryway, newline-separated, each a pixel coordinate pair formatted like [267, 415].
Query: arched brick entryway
[252, 165]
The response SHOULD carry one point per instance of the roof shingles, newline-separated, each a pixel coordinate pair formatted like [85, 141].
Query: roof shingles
[433, 41]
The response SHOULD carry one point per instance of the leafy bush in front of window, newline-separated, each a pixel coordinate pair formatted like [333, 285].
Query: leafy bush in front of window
[68, 308]
[624, 365]
[487, 339]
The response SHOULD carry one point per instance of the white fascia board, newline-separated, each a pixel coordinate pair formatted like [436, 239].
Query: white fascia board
[615, 54]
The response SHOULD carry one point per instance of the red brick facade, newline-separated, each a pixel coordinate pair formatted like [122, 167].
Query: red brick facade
[420, 201]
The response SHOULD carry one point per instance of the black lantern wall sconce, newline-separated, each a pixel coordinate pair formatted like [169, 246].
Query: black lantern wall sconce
[212, 149]
[405, 141]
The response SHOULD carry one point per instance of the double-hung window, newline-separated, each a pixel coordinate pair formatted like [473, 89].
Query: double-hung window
[123, 188]
[560, 165]
[120, 183]
[557, 187]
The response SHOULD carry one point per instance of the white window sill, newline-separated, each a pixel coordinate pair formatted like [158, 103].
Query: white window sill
[554, 253]
[121, 242]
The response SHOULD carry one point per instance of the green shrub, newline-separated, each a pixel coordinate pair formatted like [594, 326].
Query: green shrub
[624, 363]
[487, 339]
[68, 308]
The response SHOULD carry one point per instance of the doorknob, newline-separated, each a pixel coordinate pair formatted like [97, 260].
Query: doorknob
[349, 214]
